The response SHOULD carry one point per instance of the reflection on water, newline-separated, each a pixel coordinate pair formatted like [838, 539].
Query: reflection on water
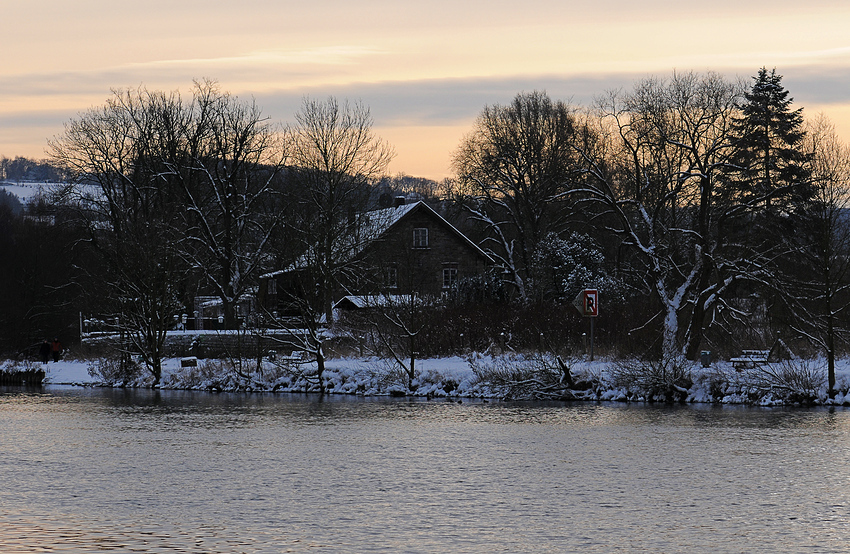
[167, 471]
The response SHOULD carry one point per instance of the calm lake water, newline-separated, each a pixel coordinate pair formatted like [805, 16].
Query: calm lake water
[143, 471]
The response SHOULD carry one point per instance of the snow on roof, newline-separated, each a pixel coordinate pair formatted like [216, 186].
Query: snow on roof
[371, 301]
[371, 226]
[377, 222]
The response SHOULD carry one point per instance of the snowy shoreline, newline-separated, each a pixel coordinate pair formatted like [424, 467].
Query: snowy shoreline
[451, 377]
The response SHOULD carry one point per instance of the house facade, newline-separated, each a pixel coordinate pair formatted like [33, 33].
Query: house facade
[417, 252]
[408, 249]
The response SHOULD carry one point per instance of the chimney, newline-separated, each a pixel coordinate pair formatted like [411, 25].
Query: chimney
[399, 201]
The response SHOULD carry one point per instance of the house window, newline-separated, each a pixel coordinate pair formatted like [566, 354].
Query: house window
[272, 289]
[449, 277]
[391, 278]
[420, 237]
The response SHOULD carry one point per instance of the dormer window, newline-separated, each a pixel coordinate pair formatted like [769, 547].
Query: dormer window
[420, 237]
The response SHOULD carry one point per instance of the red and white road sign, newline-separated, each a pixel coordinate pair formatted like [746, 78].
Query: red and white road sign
[587, 302]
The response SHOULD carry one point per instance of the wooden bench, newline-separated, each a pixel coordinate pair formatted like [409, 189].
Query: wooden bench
[749, 359]
[293, 359]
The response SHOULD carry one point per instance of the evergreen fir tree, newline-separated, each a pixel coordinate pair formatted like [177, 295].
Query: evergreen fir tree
[772, 169]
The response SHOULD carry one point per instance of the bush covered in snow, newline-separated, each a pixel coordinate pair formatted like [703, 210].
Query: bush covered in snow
[508, 376]
[564, 267]
[534, 376]
[118, 371]
[665, 380]
[796, 381]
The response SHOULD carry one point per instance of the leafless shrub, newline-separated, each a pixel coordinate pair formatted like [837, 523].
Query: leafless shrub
[205, 373]
[13, 366]
[797, 380]
[116, 370]
[535, 377]
[216, 375]
[666, 379]
[294, 372]
[391, 375]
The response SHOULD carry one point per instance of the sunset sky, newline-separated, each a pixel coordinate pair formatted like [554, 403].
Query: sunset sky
[425, 69]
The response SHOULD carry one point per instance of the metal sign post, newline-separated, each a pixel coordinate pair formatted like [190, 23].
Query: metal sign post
[587, 303]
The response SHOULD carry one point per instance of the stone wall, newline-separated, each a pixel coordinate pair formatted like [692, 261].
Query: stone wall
[210, 344]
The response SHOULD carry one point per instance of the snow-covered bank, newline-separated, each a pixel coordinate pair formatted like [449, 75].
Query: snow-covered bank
[68, 372]
[441, 377]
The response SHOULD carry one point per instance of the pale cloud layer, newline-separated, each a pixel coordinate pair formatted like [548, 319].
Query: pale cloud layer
[425, 69]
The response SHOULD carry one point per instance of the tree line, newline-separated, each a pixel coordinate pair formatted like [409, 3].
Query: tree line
[709, 213]
[21, 168]
[720, 210]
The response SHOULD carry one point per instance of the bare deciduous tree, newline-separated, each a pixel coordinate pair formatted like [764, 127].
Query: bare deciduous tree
[124, 198]
[820, 291]
[177, 187]
[511, 172]
[336, 157]
[232, 157]
[662, 191]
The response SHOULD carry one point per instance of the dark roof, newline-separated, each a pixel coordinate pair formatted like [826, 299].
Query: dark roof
[387, 218]
[376, 223]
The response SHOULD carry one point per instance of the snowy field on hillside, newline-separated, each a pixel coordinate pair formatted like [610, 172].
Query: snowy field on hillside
[26, 191]
[440, 377]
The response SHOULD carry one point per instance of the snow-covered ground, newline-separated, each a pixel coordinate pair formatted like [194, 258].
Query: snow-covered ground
[440, 377]
[26, 191]
[76, 372]
[68, 372]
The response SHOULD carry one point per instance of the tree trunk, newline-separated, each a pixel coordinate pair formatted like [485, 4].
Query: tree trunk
[669, 342]
[229, 313]
[320, 368]
[156, 370]
[695, 326]
[830, 348]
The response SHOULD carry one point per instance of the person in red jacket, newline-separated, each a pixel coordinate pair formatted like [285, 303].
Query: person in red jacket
[56, 348]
